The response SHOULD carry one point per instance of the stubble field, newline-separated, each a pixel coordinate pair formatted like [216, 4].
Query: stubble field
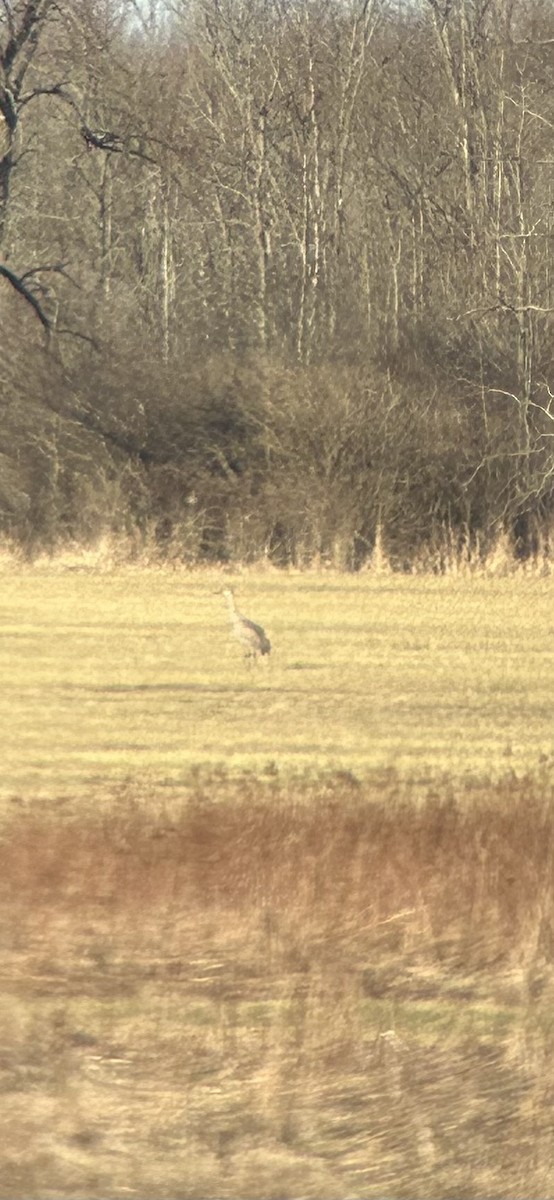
[135, 674]
[285, 931]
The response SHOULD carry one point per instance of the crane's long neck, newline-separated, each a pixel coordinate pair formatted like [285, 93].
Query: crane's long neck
[230, 600]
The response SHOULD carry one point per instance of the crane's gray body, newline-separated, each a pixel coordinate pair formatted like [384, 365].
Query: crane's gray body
[254, 639]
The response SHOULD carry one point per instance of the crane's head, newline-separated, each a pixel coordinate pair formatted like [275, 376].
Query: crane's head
[228, 595]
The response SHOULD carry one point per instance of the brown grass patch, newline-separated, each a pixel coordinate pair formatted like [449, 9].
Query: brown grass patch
[328, 990]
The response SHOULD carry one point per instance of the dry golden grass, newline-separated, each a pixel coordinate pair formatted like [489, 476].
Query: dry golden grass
[133, 674]
[329, 990]
[319, 964]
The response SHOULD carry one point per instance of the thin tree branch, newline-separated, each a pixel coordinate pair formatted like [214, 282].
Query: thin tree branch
[35, 11]
[17, 282]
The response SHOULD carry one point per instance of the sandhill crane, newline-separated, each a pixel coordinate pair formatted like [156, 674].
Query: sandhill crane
[254, 639]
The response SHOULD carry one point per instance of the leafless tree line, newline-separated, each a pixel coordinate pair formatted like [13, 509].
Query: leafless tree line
[275, 274]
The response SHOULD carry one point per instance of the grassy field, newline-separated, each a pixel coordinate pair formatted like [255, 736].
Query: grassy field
[276, 933]
[134, 674]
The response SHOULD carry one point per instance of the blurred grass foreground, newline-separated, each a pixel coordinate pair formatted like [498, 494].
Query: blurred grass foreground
[333, 991]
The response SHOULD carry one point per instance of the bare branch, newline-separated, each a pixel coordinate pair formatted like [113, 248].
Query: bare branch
[48, 268]
[501, 306]
[56, 89]
[20, 287]
[76, 333]
[34, 13]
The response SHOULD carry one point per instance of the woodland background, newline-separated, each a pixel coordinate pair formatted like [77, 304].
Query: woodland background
[276, 278]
